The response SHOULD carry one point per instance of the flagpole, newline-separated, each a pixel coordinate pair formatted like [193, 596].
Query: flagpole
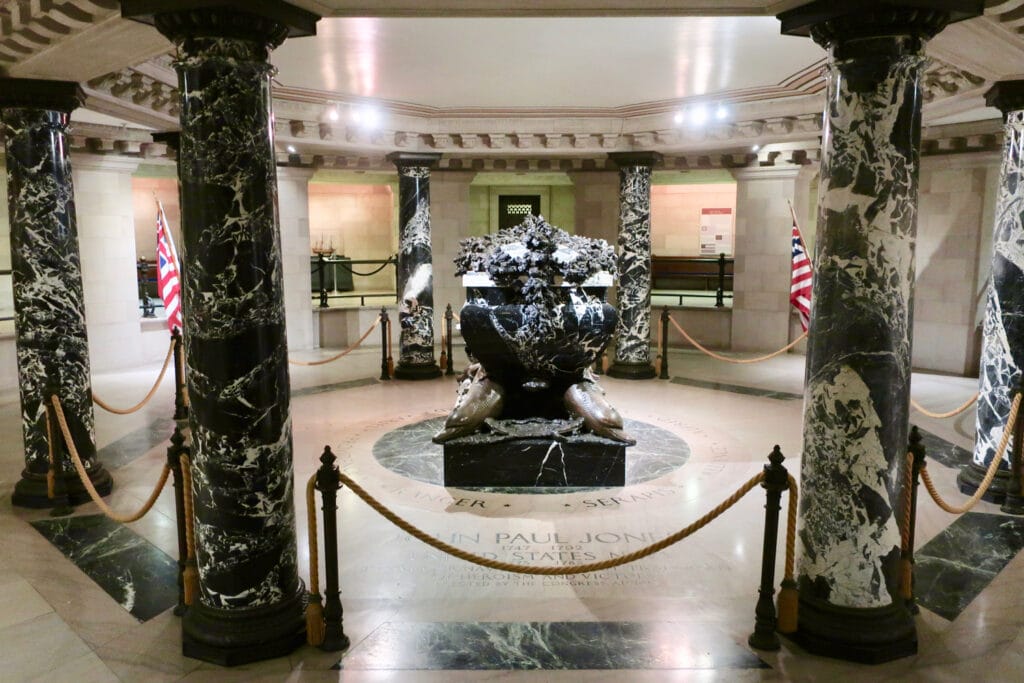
[799, 234]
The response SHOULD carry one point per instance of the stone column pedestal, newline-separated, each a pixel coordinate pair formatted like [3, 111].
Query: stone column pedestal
[49, 303]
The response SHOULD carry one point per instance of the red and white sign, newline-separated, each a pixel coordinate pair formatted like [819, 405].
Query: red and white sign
[715, 232]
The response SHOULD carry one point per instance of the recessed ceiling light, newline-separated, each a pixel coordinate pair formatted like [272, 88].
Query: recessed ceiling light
[332, 114]
[679, 117]
[699, 115]
[721, 112]
[291, 149]
[755, 148]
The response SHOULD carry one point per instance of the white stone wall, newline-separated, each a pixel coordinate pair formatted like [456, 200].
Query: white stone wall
[954, 237]
[106, 239]
[293, 212]
[764, 223]
[450, 214]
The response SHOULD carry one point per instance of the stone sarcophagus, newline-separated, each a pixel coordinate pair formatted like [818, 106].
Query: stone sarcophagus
[529, 411]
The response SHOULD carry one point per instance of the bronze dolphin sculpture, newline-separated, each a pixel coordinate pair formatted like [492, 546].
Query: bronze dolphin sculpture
[587, 400]
[479, 397]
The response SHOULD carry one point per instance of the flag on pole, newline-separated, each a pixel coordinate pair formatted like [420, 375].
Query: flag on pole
[167, 278]
[800, 281]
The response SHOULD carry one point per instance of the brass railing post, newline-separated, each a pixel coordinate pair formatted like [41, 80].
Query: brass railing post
[664, 343]
[448, 315]
[384, 324]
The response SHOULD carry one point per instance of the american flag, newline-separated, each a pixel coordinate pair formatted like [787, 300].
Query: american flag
[800, 282]
[167, 279]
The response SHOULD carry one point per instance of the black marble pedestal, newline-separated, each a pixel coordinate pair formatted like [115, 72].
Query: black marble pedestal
[488, 460]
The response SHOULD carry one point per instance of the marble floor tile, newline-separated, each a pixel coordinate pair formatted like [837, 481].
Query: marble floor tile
[958, 564]
[551, 645]
[135, 573]
[88, 668]
[19, 602]
[390, 581]
[135, 444]
[38, 647]
[737, 389]
[940, 450]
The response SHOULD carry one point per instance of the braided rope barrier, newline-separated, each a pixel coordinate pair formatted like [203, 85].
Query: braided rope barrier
[315, 627]
[990, 473]
[738, 361]
[324, 361]
[87, 483]
[190, 576]
[941, 416]
[788, 596]
[138, 406]
[542, 570]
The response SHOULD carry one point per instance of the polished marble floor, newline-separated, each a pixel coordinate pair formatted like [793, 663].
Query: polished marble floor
[85, 600]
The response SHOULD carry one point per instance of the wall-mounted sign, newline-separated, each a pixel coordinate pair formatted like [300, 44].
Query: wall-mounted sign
[715, 232]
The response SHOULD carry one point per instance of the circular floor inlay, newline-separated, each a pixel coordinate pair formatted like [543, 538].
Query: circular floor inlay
[409, 452]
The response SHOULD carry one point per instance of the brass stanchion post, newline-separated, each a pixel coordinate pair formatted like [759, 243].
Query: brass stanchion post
[384, 323]
[917, 450]
[664, 343]
[1014, 501]
[328, 484]
[321, 272]
[180, 409]
[776, 480]
[448, 315]
[174, 462]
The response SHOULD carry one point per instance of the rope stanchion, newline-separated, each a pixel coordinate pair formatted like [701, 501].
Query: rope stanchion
[542, 570]
[87, 483]
[990, 473]
[324, 361]
[775, 480]
[391, 358]
[315, 627]
[327, 483]
[739, 361]
[138, 406]
[941, 416]
[190, 576]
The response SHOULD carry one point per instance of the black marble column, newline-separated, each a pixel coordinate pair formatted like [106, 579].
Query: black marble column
[1002, 351]
[49, 308]
[633, 297]
[858, 357]
[415, 268]
[251, 600]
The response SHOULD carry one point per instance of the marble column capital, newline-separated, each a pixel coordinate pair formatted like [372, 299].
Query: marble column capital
[265, 21]
[414, 159]
[624, 159]
[832, 23]
[1007, 96]
[105, 162]
[171, 138]
[35, 93]
[295, 173]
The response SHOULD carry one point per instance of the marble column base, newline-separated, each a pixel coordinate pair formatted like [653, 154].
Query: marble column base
[419, 371]
[239, 636]
[970, 478]
[631, 370]
[868, 636]
[30, 491]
